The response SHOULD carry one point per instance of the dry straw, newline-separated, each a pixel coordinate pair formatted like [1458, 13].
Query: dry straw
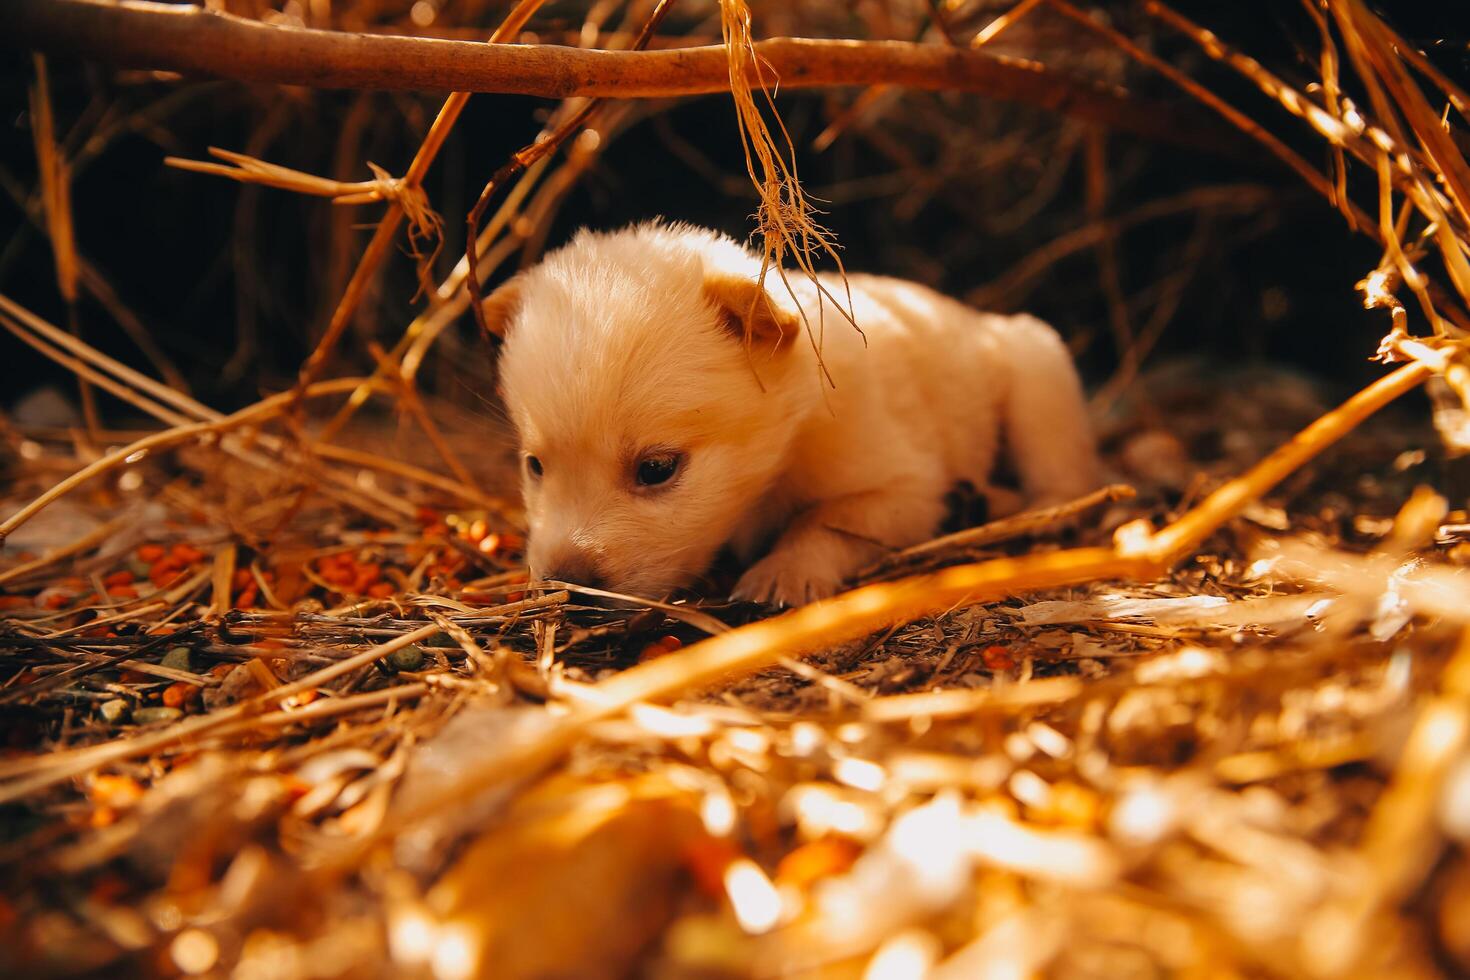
[917, 792]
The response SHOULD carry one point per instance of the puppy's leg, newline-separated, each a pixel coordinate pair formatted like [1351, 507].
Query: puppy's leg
[1046, 417]
[836, 538]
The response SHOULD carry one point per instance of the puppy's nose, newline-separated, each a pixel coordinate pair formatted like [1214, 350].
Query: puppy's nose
[575, 567]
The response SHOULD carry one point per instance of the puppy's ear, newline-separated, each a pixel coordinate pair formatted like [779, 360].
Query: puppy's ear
[500, 306]
[745, 310]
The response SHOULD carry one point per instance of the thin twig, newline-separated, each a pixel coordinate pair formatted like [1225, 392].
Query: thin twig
[197, 41]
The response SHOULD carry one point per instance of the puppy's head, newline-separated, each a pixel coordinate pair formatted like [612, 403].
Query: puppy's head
[652, 384]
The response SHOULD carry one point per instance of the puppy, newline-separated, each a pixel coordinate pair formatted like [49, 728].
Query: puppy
[668, 406]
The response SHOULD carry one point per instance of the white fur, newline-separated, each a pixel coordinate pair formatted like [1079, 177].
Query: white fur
[613, 349]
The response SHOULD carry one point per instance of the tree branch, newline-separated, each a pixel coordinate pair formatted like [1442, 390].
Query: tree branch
[195, 41]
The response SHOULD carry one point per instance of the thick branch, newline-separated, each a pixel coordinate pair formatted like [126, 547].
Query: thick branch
[195, 41]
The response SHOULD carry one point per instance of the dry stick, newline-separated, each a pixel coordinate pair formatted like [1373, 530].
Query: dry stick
[92, 666]
[1367, 37]
[1356, 217]
[1237, 118]
[1331, 92]
[861, 611]
[965, 701]
[60, 766]
[1170, 291]
[407, 471]
[387, 228]
[1367, 143]
[446, 303]
[1010, 527]
[451, 300]
[1402, 838]
[246, 169]
[1371, 51]
[940, 21]
[56, 204]
[345, 490]
[408, 397]
[517, 165]
[318, 710]
[1109, 267]
[785, 216]
[86, 542]
[1458, 97]
[156, 390]
[191, 409]
[1227, 197]
[1003, 23]
[259, 412]
[195, 40]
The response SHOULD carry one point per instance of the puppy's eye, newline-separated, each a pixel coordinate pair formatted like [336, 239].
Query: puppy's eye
[654, 470]
[534, 465]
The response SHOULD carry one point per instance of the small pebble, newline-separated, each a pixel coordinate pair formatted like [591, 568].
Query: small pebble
[153, 716]
[177, 658]
[114, 711]
[409, 658]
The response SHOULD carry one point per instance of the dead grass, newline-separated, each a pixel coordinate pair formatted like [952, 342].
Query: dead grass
[278, 706]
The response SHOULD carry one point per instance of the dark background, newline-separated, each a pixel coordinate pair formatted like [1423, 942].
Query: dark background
[235, 283]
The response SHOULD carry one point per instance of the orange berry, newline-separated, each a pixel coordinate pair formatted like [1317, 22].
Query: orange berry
[365, 576]
[997, 658]
[150, 552]
[120, 577]
[381, 590]
[119, 791]
[248, 596]
[242, 578]
[122, 592]
[180, 694]
[671, 643]
[186, 553]
[14, 601]
[164, 573]
[652, 652]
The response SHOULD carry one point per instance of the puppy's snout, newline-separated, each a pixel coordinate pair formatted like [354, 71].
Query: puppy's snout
[576, 567]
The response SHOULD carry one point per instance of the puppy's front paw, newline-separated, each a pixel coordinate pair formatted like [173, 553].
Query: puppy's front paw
[786, 577]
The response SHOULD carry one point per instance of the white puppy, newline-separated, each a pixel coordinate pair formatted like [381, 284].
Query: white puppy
[668, 406]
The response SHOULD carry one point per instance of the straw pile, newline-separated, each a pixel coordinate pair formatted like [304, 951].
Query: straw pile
[279, 707]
